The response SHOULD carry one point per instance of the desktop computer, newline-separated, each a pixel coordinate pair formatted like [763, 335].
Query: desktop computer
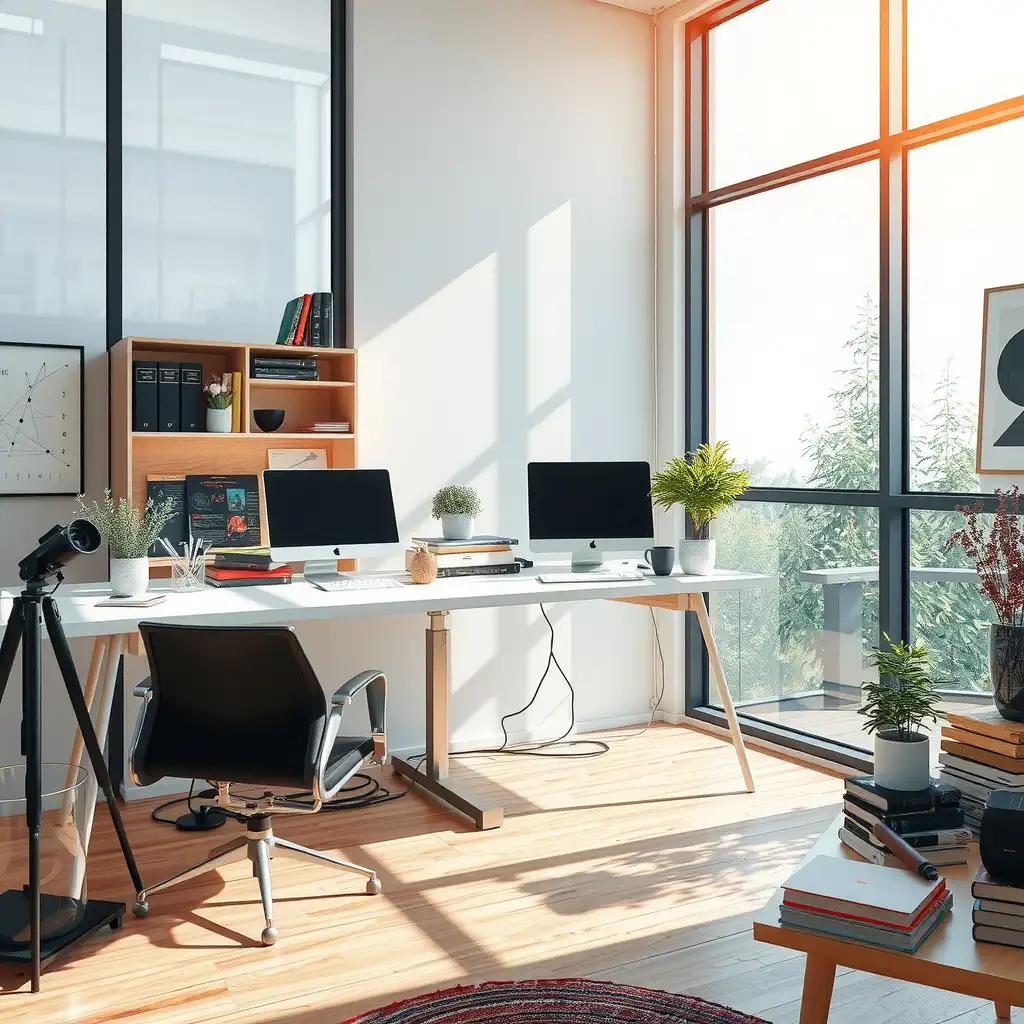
[589, 508]
[317, 516]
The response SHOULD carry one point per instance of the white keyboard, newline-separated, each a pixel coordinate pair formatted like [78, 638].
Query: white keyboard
[333, 585]
[602, 576]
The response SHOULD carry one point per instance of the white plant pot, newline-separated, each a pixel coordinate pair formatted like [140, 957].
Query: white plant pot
[129, 577]
[218, 421]
[902, 765]
[697, 557]
[457, 527]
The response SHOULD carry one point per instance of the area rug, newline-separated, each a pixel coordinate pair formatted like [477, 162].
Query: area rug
[562, 1001]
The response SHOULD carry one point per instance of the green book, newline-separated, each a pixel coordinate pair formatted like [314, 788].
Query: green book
[286, 321]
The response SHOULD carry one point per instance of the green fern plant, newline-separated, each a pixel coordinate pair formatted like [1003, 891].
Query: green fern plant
[904, 697]
[455, 500]
[705, 484]
[128, 529]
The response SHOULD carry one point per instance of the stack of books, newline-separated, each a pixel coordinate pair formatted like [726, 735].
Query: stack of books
[327, 427]
[998, 913]
[479, 556]
[930, 820]
[273, 368]
[247, 567]
[308, 320]
[981, 752]
[864, 902]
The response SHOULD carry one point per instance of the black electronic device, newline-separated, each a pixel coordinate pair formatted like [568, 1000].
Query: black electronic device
[57, 547]
[1002, 836]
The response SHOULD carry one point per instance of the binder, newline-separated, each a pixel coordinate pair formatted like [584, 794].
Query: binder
[316, 339]
[327, 318]
[169, 396]
[144, 401]
[192, 411]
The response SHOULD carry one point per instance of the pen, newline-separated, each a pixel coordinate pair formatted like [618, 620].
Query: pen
[905, 852]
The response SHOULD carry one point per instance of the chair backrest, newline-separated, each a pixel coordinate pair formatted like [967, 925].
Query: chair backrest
[230, 704]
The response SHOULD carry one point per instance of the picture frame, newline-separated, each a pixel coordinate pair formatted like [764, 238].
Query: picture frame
[42, 422]
[297, 458]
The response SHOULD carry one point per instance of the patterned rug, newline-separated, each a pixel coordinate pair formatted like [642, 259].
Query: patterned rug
[564, 1001]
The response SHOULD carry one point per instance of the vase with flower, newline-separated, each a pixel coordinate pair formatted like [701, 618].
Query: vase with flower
[219, 395]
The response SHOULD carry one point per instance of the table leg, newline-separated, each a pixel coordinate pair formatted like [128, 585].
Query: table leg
[698, 606]
[100, 648]
[433, 776]
[819, 977]
[1003, 1012]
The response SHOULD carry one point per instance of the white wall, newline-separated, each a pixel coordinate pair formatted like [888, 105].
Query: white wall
[502, 246]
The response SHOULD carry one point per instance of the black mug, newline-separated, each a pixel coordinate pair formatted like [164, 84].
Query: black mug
[661, 559]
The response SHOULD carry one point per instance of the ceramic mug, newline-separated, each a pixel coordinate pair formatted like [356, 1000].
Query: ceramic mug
[661, 559]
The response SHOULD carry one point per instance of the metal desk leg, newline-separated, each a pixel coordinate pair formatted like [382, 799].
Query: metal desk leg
[433, 776]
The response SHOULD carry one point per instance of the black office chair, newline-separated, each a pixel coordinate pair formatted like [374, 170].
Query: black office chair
[242, 705]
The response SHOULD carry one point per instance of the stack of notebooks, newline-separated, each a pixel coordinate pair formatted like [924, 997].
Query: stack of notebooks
[998, 911]
[982, 752]
[308, 320]
[274, 368]
[930, 820]
[246, 567]
[848, 899]
[479, 556]
[327, 427]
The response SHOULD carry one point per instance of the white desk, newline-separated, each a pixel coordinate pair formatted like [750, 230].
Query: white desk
[114, 631]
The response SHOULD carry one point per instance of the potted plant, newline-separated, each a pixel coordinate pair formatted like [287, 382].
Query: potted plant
[896, 706]
[456, 506]
[705, 483]
[129, 532]
[219, 395]
[998, 556]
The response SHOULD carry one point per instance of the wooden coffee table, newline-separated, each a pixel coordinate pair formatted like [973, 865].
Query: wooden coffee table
[949, 958]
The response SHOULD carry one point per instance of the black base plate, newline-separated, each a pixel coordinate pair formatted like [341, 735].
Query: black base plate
[200, 822]
[97, 914]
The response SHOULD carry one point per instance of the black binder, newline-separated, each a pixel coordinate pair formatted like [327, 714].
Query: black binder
[169, 396]
[327, 319]
[144, 403]
[192, 411]
[316, 338]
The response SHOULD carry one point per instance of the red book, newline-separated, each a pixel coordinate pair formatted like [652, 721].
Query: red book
[300, 328]
[282, 571]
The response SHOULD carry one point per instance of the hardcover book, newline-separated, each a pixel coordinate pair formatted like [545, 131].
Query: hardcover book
[168, 396]
[175, 532]
[916, 821]
[193, 405]
[478, 570]
[144, 395]
[224, 510]
[892, 801]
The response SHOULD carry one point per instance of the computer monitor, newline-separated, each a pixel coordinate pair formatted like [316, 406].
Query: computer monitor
[320, 515]
[588, 508]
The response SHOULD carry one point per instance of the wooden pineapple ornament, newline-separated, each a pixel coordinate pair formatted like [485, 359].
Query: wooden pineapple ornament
[423, 566]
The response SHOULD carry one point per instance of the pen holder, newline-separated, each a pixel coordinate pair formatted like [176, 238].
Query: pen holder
[187, 577]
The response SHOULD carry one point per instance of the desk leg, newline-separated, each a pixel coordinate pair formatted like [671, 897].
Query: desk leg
[1003, 1012]
[819, 977]
[433, 777]
[697, 605]
[100, 648]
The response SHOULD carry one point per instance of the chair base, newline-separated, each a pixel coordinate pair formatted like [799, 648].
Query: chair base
[259, 845]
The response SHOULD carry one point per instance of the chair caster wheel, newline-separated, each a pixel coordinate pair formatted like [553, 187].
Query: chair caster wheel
[373, 886]
[141, 908]
[269, 936]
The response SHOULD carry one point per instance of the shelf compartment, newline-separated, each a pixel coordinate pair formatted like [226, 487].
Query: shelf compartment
[302, 405]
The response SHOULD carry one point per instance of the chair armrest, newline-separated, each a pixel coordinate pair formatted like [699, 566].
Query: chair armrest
[144, 689]
[344, 693]
[375, 683]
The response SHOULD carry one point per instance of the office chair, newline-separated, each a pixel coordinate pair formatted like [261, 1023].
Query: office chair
[242, 705]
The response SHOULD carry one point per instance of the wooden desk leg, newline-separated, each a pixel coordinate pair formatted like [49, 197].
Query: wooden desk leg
[100, 648]
[1003, 1012]
[433, 776]
[697, 605]
[819, 977]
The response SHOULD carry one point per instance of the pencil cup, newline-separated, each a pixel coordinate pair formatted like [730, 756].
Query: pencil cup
[187, 577]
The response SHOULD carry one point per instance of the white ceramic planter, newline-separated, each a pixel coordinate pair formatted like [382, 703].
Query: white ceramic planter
[129, 577]
[457, 527]
[900, 765]
[697, 557]
[218, 421]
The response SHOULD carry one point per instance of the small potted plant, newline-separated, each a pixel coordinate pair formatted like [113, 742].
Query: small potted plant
[456, 506]
[129, 531]
[705, 484]
[219, 395]
[896, 706]
[998, 556]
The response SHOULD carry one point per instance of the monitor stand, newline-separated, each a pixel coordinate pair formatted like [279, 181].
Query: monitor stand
[587, 560]
[321, 569]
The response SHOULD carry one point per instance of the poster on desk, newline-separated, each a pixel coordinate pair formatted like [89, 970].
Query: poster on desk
[224, 511]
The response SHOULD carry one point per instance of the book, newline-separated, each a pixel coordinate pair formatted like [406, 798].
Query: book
[288, 321]
[144, 395]
[988, 722]
[327, 311]
[193, 405]
[981, 756]
[977, 790]
[316, 338]
[294, 326]
[284, 362]
[997, 936]
[892, 801]
[245, 558]
[985, 886]
[916, 821]
[220, 572]
[919, 840]
[1015, 910]
[997, 919]
[1007, 748]
[453, 572]
[874, 855]
[268, 581]
[861, 891]
[300, 327]
[168, 396]
[175, 531]
[463, 548]
[443, 544]
[280, 373]
[224, 510]
[474, 558]
[978, 772]
[236, 402]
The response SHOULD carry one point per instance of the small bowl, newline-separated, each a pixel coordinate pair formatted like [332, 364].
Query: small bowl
[268, 420]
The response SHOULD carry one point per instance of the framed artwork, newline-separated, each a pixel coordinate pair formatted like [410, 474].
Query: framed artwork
[297, 458]
[42, 395]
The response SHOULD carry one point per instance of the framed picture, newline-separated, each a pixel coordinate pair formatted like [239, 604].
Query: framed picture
[297, 458]
[42, 395]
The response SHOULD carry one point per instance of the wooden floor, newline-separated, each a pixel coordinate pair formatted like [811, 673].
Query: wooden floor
[643, 866]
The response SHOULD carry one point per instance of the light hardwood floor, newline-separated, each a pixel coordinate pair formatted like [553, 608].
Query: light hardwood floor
[643, 866]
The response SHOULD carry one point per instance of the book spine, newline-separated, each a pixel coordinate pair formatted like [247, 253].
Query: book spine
[300, 330]
[296, 317]
[192, 398]
[316, 320]
[236, 402]
[479, 570]
[921, 821]
[327, 313]
[144, 396]
[905, 804]
[286, 321]
[298, 363]
[276, 373]
[169, 396]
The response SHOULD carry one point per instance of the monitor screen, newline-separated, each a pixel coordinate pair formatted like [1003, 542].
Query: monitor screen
[585, 500]
[309, 508]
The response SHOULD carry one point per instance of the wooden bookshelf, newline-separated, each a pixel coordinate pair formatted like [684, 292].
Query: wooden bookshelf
[137, 456]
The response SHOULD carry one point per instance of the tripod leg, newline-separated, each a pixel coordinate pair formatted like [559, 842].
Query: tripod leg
[11, 642]
[32, 738]
[66, 663]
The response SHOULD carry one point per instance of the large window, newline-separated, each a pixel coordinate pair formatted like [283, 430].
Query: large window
[845, 214]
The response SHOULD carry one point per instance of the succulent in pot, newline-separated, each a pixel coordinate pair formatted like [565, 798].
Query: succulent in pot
[457, 506]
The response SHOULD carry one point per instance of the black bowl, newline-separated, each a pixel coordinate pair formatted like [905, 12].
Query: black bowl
[268, 420]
